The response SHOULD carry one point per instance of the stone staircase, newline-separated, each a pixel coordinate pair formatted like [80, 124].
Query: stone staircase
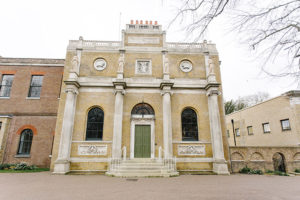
[141, 167]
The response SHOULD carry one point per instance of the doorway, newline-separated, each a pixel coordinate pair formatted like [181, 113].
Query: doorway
[278, 162]
[142, 141]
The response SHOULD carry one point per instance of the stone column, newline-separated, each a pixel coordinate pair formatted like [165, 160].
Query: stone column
[167, 120]
[118, 120]
[62, 164]
[219, 163]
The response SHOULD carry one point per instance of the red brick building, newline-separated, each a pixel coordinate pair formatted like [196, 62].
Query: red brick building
[29, 95]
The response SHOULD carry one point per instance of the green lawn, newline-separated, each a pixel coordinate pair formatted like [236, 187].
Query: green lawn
[24, 171]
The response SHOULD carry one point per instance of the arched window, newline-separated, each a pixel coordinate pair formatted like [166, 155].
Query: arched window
[189, 125]
[142, 109]
[25, 142]
[94, 127]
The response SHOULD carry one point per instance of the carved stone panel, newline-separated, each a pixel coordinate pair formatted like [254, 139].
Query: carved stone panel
[92, 150]
[143, 67]
[143, 40]
[190, 150]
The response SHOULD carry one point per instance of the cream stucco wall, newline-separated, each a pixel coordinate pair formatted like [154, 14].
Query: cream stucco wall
[270, 111]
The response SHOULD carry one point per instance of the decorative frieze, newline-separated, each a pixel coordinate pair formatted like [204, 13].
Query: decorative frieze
[190, 150]
[92, 150]
[143, 40]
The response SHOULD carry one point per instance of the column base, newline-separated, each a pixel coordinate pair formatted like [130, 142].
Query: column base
[61, 167]
[220, 168]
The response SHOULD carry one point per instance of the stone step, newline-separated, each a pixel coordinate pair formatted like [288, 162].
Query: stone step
[142, 164]
[141, 168]
[135, 174]
[141, 171]
[138, 160]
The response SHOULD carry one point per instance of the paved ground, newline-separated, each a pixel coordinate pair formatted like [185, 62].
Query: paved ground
[43, 185]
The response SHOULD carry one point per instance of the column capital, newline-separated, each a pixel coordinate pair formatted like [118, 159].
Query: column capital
[166, 92]
[122, 91]
[73, 90]
[213, 91]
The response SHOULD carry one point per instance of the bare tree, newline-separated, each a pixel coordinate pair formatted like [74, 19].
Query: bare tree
[271, 26]
[245, 101]
[253, 99]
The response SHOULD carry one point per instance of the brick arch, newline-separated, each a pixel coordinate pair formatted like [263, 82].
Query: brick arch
[296, 156]
[237, 156]
[256, 156]
[27, 127]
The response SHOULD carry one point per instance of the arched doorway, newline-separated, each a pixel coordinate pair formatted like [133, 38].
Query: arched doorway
[279, 162]
[142, 134]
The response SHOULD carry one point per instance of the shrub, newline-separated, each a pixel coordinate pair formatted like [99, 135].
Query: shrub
[297, 170]
[280, 173]
[6, 166]
[245, 170]
[269, 171]
[24, 166]
[256, 171]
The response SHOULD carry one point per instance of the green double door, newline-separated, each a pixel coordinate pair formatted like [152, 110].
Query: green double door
[142, 141]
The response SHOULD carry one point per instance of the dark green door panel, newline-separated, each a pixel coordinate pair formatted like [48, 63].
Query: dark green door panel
[142, 147]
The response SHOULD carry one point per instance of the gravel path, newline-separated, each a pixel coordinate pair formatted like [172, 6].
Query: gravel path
[43, 186]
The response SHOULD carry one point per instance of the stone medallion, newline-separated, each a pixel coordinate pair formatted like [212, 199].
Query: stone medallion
[186, 66]
[100, 64]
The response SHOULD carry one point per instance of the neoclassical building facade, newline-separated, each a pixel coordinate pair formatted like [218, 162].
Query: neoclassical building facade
[140, 107]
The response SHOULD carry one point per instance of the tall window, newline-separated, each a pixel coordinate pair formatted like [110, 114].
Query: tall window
[35, 86]
[25, 142]
[94, 128]
[6, 84]
[189, 125]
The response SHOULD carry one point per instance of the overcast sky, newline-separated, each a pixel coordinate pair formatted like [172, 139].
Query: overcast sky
[35, 28]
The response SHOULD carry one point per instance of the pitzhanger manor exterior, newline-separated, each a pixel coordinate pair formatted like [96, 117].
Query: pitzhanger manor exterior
[140, 106]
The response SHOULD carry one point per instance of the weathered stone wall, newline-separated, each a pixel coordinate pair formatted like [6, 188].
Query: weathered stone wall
[262, 157]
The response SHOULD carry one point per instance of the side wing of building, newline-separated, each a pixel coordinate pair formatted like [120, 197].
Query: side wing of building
[29, 94]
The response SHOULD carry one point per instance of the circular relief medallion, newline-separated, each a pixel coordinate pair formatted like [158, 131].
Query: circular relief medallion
[100, 64]
[186, 66]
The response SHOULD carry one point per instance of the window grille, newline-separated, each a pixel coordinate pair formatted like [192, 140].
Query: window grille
[25, 142]
[189, 125]
[94, 128]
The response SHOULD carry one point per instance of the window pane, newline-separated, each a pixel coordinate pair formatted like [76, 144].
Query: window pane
[6, 85]
[36, 80]
[189, 125]
[25, 142]
[266, 127]
[237, 132]
[250, 130]
[35, 86]
[142, 109]
[285, 124]
[94, 127]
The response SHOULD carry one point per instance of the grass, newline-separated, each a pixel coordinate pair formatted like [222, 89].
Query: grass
[24, 171]
[279, 173]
